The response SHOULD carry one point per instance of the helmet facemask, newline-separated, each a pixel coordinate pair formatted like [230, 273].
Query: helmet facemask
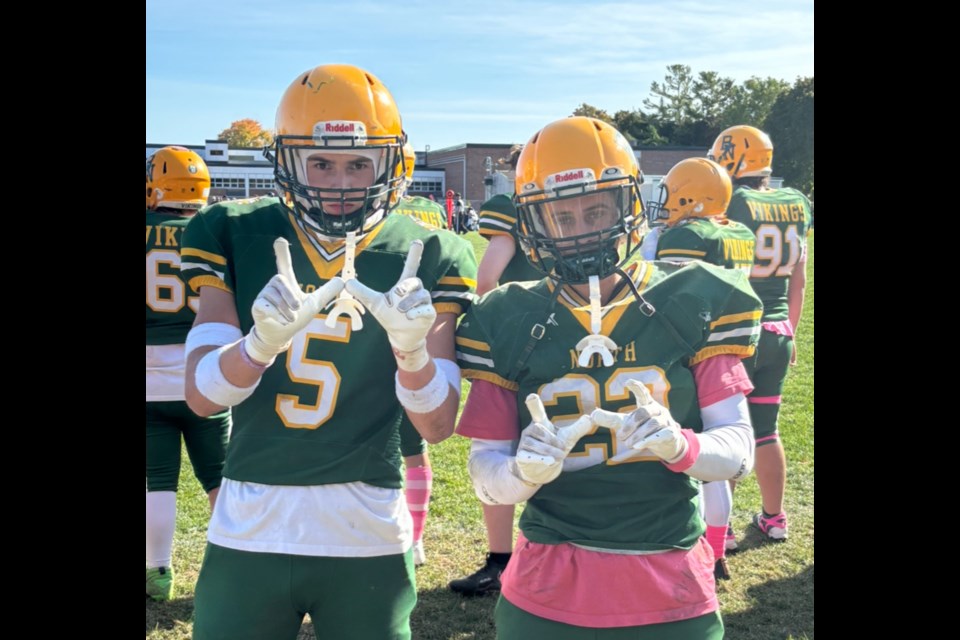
[335, 211]
[663, 212]
[657, 212]
[693, 188]
[582, 227]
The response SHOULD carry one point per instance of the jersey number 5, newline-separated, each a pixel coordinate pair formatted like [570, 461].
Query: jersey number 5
[322, 374]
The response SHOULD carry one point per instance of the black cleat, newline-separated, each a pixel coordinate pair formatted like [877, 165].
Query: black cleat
[484, 580]
[720, 571]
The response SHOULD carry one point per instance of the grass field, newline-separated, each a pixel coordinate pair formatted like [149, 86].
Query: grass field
[770, 596]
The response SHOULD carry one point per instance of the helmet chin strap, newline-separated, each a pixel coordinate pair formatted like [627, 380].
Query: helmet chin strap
[346, 304]
[596, 343]
[370, 221]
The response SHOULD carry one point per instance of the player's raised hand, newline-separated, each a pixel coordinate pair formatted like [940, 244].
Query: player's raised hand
[543, 447]
[281, 309]
[650, 426]
[405, 312]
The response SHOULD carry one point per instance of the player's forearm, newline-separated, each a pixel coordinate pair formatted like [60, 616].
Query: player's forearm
[726, 445]
[436, 426]
[795, 292]
[204, 388]
[795, 296]
[431, 397]
[498, 255]
[486, 283]
[492, 468]
[217, 374]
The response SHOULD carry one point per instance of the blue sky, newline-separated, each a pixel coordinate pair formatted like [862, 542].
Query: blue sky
[492, 73]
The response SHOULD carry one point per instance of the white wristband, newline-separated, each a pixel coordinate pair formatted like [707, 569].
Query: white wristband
[214, 387]
[451, 370]
[211, 334]
[426, 399]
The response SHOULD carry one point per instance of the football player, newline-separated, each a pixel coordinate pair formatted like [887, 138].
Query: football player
[780, 220]
[602, 394]
[504, 261]
[294, 333]
[692, 206]
[178, 184]
[418, 474]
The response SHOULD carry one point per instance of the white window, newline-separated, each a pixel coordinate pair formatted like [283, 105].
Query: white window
[261, 183]
[226, 183]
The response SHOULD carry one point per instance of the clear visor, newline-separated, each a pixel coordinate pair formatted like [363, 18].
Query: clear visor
[343, 185]
[339, 181]
[578, 215]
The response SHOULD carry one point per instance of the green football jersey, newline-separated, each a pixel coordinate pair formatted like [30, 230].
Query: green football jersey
[426, 210]
[780, 219]
[326, 411]
[498, 217]
[171, 309]
[700, 311]
[722, 242]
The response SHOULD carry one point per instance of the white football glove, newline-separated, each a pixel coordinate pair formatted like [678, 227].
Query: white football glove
[405, 312]
[650, 426]
[281, 309]
[543, 447]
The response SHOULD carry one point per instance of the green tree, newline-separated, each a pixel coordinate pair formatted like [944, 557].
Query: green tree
[672, 101]
[752, 101]
[712, 97]
[687, 109]
[790, 125]
[591, 111]
[637, 127]
[246, 133]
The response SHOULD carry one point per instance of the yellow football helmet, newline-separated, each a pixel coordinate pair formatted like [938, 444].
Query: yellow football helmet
[693, 188]
[578, 199]
[341, 109]
[409, 160]
[743, 151]
[177, 178]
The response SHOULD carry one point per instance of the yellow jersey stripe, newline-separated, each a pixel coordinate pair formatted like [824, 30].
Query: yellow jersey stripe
[449, 307]
[476, 374]
[736, 317]
[208, 281]
[466, 282]
[473, 344]
[492, 214]
[682, 252]
[206, 255]
[732, 349]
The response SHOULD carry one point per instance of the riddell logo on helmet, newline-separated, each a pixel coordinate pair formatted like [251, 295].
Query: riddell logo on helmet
[569, 175]
[339, 133]
[582, 179]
